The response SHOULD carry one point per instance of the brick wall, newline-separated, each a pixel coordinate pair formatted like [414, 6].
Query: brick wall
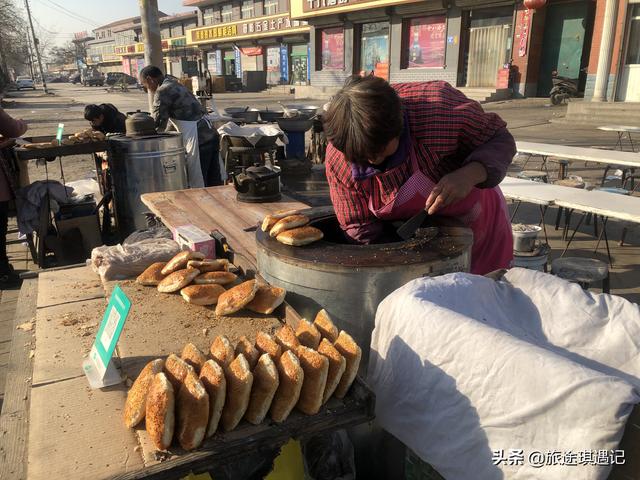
[526, 68]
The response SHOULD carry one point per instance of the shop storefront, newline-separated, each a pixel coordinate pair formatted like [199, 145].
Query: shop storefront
[486, 46]
[629, 83]
[406, 41]
[271, 44]
[401, 41]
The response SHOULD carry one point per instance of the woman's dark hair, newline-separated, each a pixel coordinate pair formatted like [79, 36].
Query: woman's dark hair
[363, 117]
[91, 112]
[151, 71]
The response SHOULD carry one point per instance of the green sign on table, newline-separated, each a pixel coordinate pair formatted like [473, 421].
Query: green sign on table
[98, 367]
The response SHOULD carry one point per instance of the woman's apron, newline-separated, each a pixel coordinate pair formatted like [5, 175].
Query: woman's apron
[484, 210]
[189, 131]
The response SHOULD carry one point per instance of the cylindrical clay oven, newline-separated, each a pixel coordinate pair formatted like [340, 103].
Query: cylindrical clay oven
[349, 281]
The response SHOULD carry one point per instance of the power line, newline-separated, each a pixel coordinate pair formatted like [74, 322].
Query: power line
[74, 15]
[77, 15]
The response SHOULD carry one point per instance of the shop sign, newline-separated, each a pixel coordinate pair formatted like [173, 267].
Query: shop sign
[309, 6]
[236, 52]
[524, 32]
[251, 51]
[136, 48]
[284, 63]
[246, 28]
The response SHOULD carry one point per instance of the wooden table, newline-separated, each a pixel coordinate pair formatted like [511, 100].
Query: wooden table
[216, 208]
[596, 155]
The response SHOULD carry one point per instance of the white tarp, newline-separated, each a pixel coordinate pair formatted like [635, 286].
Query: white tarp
[474, 374]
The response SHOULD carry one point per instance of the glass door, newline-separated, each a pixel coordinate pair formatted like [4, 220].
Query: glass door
[629, 90]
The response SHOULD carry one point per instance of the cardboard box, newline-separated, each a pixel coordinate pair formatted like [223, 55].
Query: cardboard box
[196, 240]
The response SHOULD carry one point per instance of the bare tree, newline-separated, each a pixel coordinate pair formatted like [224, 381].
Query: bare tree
[14, 56]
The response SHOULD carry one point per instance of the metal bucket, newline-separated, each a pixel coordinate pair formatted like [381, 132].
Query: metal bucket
[349, 281]
[143, 165]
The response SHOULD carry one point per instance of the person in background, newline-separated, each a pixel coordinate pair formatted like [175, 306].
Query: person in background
[396, 150]
[105, 118]
[9, 129]
[174, 103]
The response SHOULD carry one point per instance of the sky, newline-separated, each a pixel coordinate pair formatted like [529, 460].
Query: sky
[59, 25]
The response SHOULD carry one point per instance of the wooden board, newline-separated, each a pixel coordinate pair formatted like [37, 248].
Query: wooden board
[356, 408]
[14, 421]
[159, 324]
[64, 335]
[216, 208]
[76, 432]
[65, 286]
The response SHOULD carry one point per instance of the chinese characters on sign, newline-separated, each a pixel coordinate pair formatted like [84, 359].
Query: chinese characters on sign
[524, 33]
[250, 27]
[427, 42]
[311, 5]
[538, 458]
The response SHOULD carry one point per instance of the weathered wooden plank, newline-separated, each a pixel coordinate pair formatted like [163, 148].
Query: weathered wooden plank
[15, 408]
[65, 286]
[64, 335]
[76, 432]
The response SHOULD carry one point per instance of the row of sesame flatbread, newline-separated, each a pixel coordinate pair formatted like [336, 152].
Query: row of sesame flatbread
[193, 396]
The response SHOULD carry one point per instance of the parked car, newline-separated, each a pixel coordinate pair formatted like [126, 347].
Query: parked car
[114, 78]
[92, 78]
[25, 82]
[77, 78]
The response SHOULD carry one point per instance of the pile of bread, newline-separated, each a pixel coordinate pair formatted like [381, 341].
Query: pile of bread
[192, 396]
[290, 227]
[84, 136]
[201, 281]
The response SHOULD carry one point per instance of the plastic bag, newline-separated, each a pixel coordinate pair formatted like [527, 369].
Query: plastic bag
[134, 255]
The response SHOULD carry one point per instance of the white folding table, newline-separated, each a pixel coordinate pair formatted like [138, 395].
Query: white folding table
[621, 130]
[598, 203]
[630, 160]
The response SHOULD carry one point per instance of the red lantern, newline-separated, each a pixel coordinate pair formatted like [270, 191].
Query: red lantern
[534, 4]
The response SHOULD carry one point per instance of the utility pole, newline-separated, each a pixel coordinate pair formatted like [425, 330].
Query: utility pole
[35, 46]
[151, 35]
[30, 53]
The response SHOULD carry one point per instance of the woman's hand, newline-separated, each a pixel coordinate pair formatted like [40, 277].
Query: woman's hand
[455, 186]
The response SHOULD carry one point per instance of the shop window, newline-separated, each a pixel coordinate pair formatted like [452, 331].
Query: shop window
[226, 12]
[165, 32]
[270, 7]
[374, 49]
[330, 49]
[424, 42]
[247, 9]
[633, 45]
[177, 31]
